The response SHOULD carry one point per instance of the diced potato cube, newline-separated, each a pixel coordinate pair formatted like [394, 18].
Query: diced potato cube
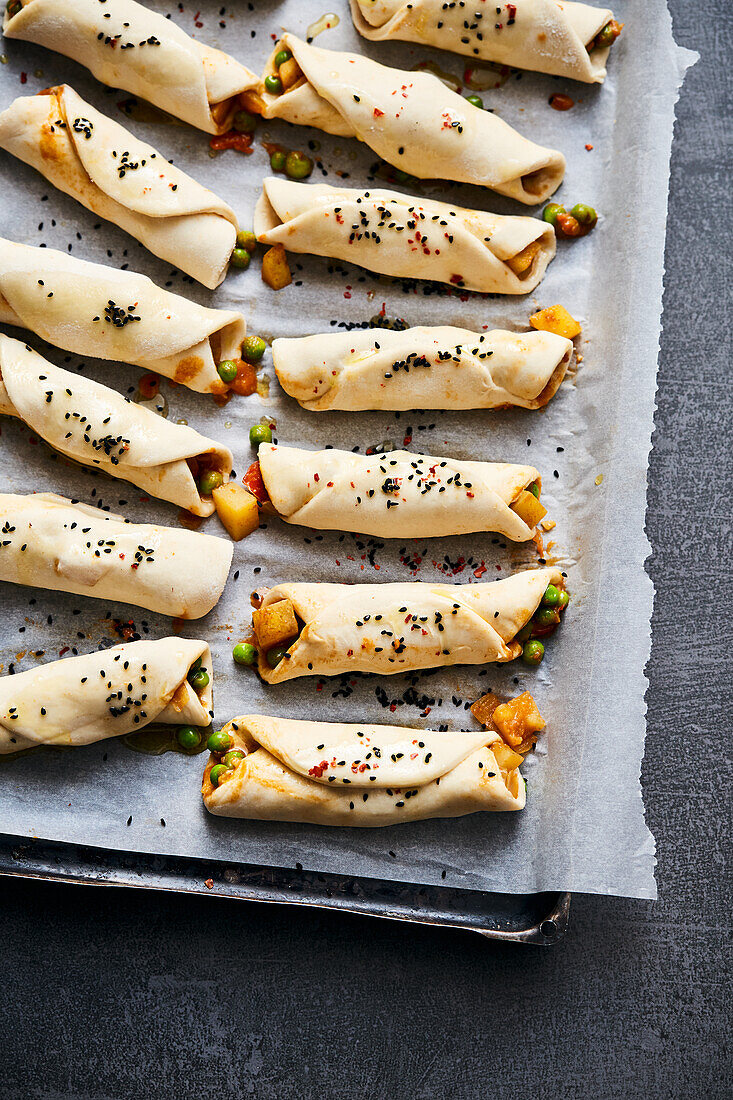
[290, 73]
[274, 624]
[275, 268]
[518, 719]
[483, 709]
[252, 102]
[522, 262]
[556, 319]
[506, 758]
[529, 509]
[237, 509]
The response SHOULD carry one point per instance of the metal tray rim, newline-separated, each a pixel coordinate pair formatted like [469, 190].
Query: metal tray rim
[546, 922]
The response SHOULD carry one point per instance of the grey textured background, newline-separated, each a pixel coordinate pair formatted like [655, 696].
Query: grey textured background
[114, 994]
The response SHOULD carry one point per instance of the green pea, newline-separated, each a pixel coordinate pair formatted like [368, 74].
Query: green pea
[475, 101]
[244, 123]
[240, 257]
[246, 240]
[533, 652]
[534, 489]
[253, 348]
[200, 680]
[277, 160]
[275, 655]
[245, 653]
[188, 737]
[217, 773]
[525, 633]
[227, 370]
[260, 433]
[586, 215]
[209, 481]
[401, 176]
[551, 597]
[606, 36]
[564, 599]
[281, 57]
[546, 617]
[274, 85]
[549, 214]
[219, 742]
[196, 665]
[298, 166]
[232, 758]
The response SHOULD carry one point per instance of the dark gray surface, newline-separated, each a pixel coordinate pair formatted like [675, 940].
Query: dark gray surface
[117, 994]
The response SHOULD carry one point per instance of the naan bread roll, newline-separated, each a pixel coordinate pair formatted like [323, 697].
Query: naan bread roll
[412, 121]
[98, 427]
[547, 36]
[47, 541]
[421, 368]
[396, 494]
[400, 627]
[324, 773]
[122, 179]
[115, 691]
[125, 45]
[405, 236]
[100, 311]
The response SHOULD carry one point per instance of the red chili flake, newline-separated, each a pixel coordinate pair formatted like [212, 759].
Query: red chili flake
[378, 113]
[24, 78]
[456, 279]
[393, 707]
[471, 495]
[64, 650]
[413, 756]
[589, 147]
[561, 102]
[316, 477]
[209, 884]
[319, 769]
[512, 13]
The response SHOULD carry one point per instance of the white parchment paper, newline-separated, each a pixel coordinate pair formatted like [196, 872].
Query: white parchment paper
[583, 827]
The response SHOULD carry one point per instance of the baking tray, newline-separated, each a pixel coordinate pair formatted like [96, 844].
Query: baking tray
[514, 918]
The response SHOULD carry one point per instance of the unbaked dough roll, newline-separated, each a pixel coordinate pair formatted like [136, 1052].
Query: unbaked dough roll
[325, 773]
[396, 494]
[405, 236]
[100, 428]
[115, 691]
[47, 541]
[421, 368]
[547, 36]
[103, 312]
[129, 46]
[412, 121]
[404, 626]
[118, 177]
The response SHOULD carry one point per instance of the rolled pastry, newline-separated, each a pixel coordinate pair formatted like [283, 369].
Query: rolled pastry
[126, 45]
[324, 773]
[47, 541]
[409, 237]
[98, 427]
[396, 494]
[421, 368]
[122, 179]
[100, 311]
[115, 691]
[547, 36]
[412, 121]
[391, 628]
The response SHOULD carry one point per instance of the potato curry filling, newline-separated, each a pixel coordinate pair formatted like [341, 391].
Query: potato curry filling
[527, 505]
